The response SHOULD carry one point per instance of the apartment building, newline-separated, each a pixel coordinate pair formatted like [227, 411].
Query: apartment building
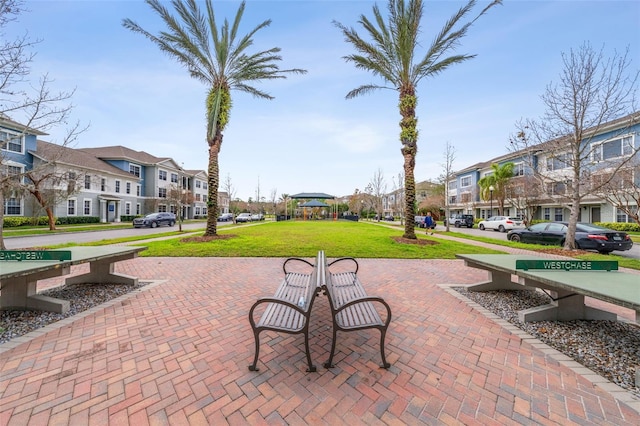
[542, 178]
[106, 182]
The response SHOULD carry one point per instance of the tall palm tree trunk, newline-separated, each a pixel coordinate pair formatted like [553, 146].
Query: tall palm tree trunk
[214, 183]
[409, 139]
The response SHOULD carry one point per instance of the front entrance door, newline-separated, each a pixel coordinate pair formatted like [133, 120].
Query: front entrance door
[595, 214]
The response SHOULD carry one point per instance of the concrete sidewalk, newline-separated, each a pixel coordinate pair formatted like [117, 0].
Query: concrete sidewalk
[177, 353]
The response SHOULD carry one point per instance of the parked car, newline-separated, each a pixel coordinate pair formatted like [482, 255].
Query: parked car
[501, 223]
[154, 220]
[257, 217]
[460, 220]
[243, 217]
[225, 217]
[419, 221]
[389, 218]
[588, 236]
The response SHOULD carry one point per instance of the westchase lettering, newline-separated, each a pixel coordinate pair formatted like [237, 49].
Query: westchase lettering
[568, 265]
[34, 255]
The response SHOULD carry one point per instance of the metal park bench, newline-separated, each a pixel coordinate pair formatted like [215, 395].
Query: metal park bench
[567, 281]
[289, 309]
[351, 308]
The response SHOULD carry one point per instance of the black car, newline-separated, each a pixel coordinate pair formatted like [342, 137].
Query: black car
[225, 217]
[460, 220]
[154, 220]
[588, 236]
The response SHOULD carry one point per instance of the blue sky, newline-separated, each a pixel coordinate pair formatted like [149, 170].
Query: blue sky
[310, 138]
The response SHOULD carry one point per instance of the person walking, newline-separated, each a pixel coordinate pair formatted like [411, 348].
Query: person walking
[428, 223]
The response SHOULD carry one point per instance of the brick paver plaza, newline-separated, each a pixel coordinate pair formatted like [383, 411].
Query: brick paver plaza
[176, 353]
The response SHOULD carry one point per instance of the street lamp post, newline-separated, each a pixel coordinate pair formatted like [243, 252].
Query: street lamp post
[491, 188]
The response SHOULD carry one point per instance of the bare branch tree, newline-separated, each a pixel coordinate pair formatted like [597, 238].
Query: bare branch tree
[592, 93]
[180, 197]
[378, 187]
[622, 192]
[449, 158]
[35, 107]
[227, 186]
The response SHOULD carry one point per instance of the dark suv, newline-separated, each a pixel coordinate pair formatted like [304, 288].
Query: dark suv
[155, 219]
[459, 220]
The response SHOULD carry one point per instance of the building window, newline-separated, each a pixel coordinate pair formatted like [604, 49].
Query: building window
[87, 208]
[162, 175]
[87, 182]
[204, 198]
[71, 207]
[162, 208]
[137, 190]
[173, 209]
[453, 184]
[12, 207]
[118, 186]
[547, 213]
[518, 169]
[197, 183]
[558, 162]
[557, 188]
[162, 192]
[11, 142]
[621, 216]
[127, 208]
[197, 211]
[197, 197]
[137, 208]
[465, 181]
[14, 173]
[128, 187]
[557, 214]
[204, 185]
[612, 149]
[103, 185]
[453, 199]
[174, 178]
[134, 170]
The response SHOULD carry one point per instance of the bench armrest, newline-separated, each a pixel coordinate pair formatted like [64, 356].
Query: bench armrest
[276, 300]
[374, 299]
[284, 265]
[345, 258]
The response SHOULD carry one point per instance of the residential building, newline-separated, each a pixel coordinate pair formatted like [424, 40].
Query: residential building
[540, 187]
[105, 182]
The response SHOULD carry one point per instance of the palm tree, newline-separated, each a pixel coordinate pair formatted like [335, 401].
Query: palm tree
[218, 58]
[497, 180]
[391, 55]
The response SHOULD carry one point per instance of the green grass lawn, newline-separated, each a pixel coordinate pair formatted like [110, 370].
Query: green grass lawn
[304, 239]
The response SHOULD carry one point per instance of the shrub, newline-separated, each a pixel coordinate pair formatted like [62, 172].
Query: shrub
[75, 220]
[620, 226]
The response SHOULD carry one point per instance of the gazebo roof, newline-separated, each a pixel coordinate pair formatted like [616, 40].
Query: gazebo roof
[316, 195]
[314, 203]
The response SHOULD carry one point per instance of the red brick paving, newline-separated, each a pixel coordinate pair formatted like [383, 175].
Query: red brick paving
[177, 353]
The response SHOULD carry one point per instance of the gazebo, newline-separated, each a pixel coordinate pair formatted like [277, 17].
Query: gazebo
[315, 198]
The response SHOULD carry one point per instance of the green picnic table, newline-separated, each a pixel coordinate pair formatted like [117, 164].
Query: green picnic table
[19, 274]
[567, 281]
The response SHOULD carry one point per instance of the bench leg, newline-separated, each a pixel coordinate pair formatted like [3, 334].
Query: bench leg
[253, 366]
[328, 364]
[312, 368]
[383, 333]
[567, 306]
[498, 280]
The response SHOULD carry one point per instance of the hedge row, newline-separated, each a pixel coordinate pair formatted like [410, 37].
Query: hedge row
[17, 221]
